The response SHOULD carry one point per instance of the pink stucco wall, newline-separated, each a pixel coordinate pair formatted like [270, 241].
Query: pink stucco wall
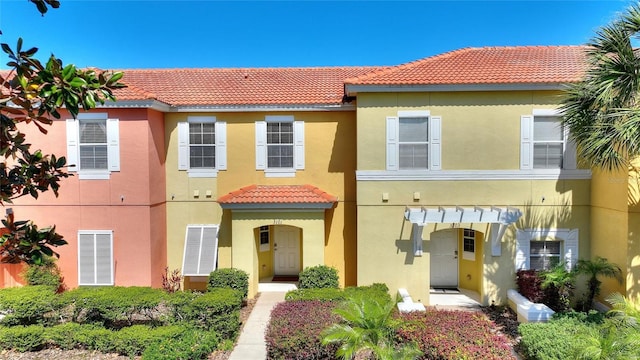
[131, 202]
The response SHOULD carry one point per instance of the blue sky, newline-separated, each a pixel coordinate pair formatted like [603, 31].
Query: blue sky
[176, 34]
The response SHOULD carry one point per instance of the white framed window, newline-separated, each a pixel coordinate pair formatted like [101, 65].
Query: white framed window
[544, 248]
[279, 146]
[93, 145]
[469, 244]
[545, 142]
[264, 239]
[413, 141]
[202, 148]
[200, 250]
[95, 257]
[544, 254]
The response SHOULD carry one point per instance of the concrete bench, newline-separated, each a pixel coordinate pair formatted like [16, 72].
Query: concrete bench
[526, 310]
[407, 304]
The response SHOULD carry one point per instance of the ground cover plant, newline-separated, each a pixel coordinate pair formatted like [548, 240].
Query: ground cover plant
[443, 334]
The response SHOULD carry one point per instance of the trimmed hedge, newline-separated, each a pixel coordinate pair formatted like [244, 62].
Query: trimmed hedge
[113, 307]
[557, 339]
[331, 294]
[229, 278]
[22, 338]
[217, 310]
[28, 305]
[318, 277]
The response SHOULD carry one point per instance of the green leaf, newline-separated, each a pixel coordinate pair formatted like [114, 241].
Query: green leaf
[77, 82]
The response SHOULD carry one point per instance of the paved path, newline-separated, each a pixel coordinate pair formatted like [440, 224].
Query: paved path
[251, 344]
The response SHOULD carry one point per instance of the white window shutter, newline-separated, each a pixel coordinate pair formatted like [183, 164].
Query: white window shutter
[569, 160]
[208, 250]
[183, 145]
[523, 246]
[392, 143]
[200, 250]
[113, 144]
[86, 263]
[526, 142]
[221, 145]
[435, 142]
[72, 144]
[191, 250]
[261, 145]
[298, 142]
[104, 256]
[571, 249]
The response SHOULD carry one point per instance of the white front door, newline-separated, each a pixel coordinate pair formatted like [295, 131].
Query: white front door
[286, 249]
[444, 258]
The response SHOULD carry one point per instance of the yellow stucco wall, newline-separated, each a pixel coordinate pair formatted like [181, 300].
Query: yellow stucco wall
[329, 164]
[480, 131]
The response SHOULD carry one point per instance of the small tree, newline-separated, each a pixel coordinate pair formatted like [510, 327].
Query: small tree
[599, 267]
[32, 93]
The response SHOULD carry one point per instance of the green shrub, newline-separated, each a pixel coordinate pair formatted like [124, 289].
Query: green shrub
[191, 344]
[316, 294]
[65, 336]
[217, 310]
[380, 291]
[22, 338]
[27, 305]
[229, 278]
[556, 339]
[114, 307]
[319, 277]
[47, 274]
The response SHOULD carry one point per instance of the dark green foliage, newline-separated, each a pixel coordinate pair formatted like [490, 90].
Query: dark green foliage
[22, 338]
[47, 274]
[229, 278]
[113, 307]
[27, 305]
[453, 335]
[192, 344]
[66, 336]
[319, 277]
[217, 310]
[295, 327]
[560, 338]
[316, 294]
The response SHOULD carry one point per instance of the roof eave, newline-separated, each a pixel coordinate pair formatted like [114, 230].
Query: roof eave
[354, 89]
[164, 107]
[277, 206]
[131, 104]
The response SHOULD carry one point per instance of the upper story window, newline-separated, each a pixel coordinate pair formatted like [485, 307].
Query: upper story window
[202, 146]
[280, 146]
[545, 143]
[413, 141]
[93, 145]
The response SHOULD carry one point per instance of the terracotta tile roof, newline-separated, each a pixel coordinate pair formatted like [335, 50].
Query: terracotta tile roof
[486, 65]
[278, 194]
[241, 86]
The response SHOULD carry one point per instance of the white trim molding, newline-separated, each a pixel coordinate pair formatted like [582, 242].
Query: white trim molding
[472, 175]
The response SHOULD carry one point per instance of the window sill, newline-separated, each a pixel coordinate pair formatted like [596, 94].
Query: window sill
[202, 173]
[280, 173]
[91, 175]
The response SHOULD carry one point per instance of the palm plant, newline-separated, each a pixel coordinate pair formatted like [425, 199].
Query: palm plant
[618, 337]
[367, 326]
[600, 267]
[562, 281]
[602, 111]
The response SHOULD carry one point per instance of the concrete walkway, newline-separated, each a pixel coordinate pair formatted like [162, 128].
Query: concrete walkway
[251, 344]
